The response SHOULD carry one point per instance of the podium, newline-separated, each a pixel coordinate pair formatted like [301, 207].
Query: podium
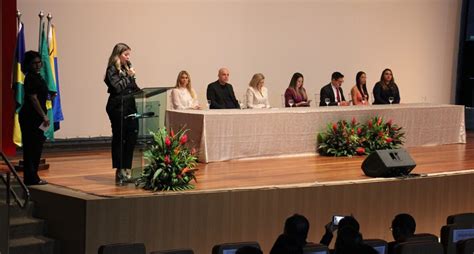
[150, 104]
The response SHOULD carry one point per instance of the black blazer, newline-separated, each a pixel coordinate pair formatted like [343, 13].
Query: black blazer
[216, 95]
[327, 92]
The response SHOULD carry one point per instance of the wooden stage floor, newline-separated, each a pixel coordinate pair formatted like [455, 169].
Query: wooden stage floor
[90, 172]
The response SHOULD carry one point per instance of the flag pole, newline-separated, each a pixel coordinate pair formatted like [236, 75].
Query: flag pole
[40, 15]
[18, 19]
[49, 17]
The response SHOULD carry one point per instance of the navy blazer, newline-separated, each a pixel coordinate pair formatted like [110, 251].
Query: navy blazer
[327, 92]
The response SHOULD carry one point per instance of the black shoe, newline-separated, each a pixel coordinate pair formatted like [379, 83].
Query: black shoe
[120, 178]
[40, 182]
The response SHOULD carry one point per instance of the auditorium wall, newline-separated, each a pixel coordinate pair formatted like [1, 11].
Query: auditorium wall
[417, 39]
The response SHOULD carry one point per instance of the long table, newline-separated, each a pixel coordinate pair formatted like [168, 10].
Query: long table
[232, 133]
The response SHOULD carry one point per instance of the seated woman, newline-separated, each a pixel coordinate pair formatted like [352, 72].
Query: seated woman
[183, 95]
[386, 91]
[359, 93]
[295, 94]
[257, 94]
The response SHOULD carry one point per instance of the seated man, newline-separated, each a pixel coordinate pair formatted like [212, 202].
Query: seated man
[403, 227]
[332, 94]
[220, 93]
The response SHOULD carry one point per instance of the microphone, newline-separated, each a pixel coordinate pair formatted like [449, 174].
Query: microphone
[137, 115]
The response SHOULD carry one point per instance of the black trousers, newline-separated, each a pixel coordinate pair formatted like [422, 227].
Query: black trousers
[124, 130]
[33, 139]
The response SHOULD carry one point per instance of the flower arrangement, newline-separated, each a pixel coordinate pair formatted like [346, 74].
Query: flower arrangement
[171, 164]
[348, 139]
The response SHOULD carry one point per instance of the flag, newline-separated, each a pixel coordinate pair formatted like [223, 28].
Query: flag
[53, 59]
[47, 74]
[18, 78]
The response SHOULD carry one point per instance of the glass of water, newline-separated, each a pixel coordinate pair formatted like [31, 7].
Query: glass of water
[291, 102]
[327, 101]
[390, 99]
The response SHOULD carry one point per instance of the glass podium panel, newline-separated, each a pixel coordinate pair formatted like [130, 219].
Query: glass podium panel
[148, 116]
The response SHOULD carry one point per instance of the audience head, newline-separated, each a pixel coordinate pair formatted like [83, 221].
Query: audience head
[348, 239]
[120, 55]
[349, 221]
[361, 78]
[337, 79]
[296, 81]
[223, 75]
[249, 250]
[31, 62]
[297, 226]
[257, 82]
[403, 227]
[387, 77]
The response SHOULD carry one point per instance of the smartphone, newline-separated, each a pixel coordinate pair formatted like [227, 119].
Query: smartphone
[336, 219]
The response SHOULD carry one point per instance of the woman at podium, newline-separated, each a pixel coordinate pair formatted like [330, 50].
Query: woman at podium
[183, 95]
[120, 81]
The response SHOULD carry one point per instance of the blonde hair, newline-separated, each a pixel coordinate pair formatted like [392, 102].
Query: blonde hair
[257, 77]
[114, 59]
[188, 86]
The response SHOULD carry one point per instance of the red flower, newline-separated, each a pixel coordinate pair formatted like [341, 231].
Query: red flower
[352, 131]
[380, 134]
[183, 139]
[167, 141]
[370, 124]
[360, 150]
[379, 121]
[359, 131]
[389, 123]
[167, 159]
[334, 127]
[353, 121]
[172, 133]
[389, 140]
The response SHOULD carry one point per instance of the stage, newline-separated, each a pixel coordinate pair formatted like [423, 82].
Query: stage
[247, 199]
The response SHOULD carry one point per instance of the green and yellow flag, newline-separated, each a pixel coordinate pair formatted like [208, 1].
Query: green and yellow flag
[18, 79]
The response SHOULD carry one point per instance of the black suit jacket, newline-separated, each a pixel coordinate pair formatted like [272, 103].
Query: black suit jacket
[327, 92]
[216, 96]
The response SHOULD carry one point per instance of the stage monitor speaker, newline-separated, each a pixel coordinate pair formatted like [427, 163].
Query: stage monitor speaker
[388, 163]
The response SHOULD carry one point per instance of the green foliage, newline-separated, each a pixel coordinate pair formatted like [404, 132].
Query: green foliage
[348, 139]
[171, 164]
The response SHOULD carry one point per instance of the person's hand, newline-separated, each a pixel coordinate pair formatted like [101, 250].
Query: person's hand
[46, 120]
[344, 103]
[131, 72]
[330, 227]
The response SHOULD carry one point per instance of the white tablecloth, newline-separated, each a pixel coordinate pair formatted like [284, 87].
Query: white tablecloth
[232, 133]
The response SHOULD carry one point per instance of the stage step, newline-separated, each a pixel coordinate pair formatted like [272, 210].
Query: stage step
[27, 233]
[32, 245]
[25, 226]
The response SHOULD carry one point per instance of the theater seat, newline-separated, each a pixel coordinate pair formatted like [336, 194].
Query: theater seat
[379, 245]
[423, 237]
[465, 246]
[418, 248]
[451, 234]
[123, 248]
[315, 249]
[229, 247]
[176, 251]
[461, 218]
